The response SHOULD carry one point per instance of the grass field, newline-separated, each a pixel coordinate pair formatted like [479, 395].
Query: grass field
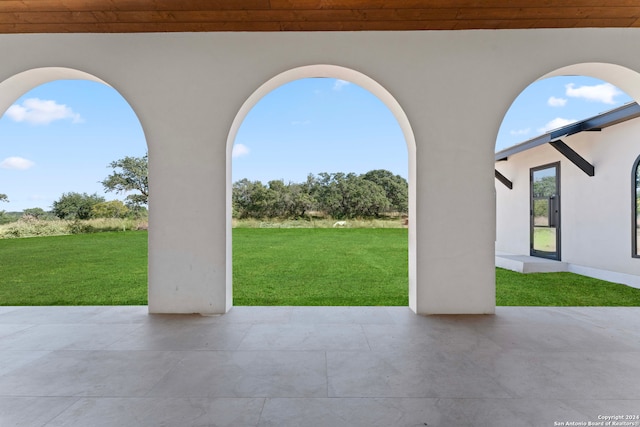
[84, 269]
[271, 267]
[323, 266]
[561, 289]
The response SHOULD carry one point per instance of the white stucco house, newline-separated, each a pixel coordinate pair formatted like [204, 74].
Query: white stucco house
[571, 196]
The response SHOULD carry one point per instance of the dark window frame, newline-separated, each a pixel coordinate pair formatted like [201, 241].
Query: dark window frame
[532, 252]
[634, 209]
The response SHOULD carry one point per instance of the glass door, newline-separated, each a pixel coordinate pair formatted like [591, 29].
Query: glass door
[545, 211]
[636, 208]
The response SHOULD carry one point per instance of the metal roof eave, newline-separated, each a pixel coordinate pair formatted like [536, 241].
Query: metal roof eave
[595, 123]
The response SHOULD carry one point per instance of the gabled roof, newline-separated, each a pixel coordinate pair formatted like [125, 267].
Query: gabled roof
[132, 16]
[595, 123]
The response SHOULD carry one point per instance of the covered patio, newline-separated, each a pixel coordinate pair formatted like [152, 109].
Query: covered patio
[317, 366]
[192, 70]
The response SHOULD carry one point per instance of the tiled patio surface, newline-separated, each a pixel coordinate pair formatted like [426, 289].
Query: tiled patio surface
[317, 366]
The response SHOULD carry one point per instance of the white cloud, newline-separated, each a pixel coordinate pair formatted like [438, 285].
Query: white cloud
[37, 111]
[520, 132]
[16, 163]
[556, 123]
[605, 92]
[557, 102]
[339, 84]
[239, 150]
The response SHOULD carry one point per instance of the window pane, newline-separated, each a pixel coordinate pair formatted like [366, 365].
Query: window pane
[545, 210]
[544, 183]
[541, 212]
[637, 249]
[544, 239]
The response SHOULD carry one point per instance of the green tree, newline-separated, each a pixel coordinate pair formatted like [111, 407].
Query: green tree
[250, 199]
[277, 199]
[395, 187]
[545, 187]
[75, 205]
[338, 195]
[37, 213]
[288, 200]
[4, 218]
[349, 195]
[130, 175]
[300, 201]
[110, 209]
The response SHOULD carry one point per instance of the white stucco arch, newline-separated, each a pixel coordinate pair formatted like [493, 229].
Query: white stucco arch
[624, 78]
[22, 82]
[455, 87]
[17, 85]
[362, 80]
[582, 202]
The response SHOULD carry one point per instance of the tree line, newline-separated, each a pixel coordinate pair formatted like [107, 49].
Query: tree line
[338, 195]
[129, 176]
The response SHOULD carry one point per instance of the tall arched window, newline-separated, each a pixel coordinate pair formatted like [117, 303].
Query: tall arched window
[635, 200]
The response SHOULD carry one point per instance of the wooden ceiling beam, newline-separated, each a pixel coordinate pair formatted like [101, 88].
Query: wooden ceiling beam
[431, 4]
[504, 13]
[140, 5]
[103, 16]
[225, 16]
[307, 26]
[156, 16]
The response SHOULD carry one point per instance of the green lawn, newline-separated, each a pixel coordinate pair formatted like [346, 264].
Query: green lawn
[560, 289]
[271, 267]
[320, 266]
[83, 269]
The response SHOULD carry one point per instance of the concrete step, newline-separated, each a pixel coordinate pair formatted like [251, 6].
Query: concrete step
[529, 264]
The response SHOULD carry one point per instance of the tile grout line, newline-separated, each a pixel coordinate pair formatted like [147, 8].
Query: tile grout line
[326, 370]
[366, 338]
[66, 408]
[264, 403]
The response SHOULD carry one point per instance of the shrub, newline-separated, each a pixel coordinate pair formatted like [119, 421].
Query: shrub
[110, 209]
[80, 227]
[76, 205]
[31, 227]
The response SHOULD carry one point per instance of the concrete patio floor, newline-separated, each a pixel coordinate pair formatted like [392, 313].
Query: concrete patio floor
[317, 366]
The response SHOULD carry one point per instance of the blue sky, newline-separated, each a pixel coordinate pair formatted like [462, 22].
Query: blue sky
[555, 102]
[318, 125]
[61, 136]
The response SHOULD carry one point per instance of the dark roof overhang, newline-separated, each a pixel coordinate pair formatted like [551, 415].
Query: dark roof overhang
[595, 123]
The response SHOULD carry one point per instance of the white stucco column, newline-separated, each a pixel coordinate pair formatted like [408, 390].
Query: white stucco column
[453, 89]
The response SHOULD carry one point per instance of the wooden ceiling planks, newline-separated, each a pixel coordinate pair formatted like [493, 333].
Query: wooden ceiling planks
[129, 16]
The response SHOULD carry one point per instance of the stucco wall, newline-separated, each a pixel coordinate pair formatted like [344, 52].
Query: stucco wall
[595, 211]
[187, 90]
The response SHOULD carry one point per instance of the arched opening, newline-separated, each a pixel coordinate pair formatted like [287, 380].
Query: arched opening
[562, 195]
[344, 74]
[62, 130]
